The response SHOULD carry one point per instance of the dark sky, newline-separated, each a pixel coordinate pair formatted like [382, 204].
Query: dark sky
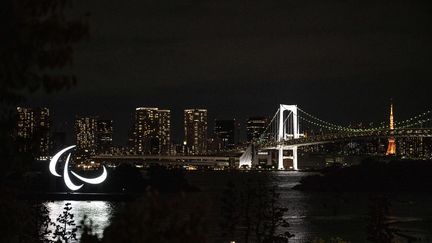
[340, 60]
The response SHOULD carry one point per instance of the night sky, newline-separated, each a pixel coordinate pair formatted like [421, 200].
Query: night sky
[339, 60]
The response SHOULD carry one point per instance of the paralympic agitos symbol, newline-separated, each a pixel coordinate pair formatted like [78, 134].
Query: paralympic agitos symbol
[67, 180]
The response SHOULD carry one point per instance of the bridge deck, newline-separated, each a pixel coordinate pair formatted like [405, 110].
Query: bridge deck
[337, 137]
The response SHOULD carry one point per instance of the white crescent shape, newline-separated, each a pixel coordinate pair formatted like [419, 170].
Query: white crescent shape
[54, 160]
[67, 180]
[96, 180]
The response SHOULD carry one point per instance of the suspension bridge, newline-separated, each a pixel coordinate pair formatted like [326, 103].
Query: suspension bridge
[291, 128]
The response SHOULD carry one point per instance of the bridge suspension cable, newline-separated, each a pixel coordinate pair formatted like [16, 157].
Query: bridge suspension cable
[272, 126]
[414, 118]
[327, 125]
[331, 126]
[419, 122]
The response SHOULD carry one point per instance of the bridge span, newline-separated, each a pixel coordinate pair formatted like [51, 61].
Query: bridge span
[340, 137]
[185, 160]
[285, 132]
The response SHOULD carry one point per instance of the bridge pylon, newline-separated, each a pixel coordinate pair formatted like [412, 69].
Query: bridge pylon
[288, 128]
[284, 126]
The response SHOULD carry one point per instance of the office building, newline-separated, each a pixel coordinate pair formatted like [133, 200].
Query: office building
[104, 136]
[152, 131]
[195, 131]
[255, 127]
[33, 131]
[164, 132]
[86, 129]
[225, 133]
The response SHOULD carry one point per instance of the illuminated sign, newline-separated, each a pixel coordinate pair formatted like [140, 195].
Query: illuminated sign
[66, 177]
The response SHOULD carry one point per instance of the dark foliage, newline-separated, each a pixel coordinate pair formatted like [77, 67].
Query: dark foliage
[66, 229]
[40, 223]
[251, 213]
[29, 221]
[158, 219]
[87, 235]
[126, 178]
[36, 40]
[379, 228]
[168, 180]
[23, 221]
[36, 43]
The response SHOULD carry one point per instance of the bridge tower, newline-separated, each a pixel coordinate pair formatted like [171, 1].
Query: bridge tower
[391, 149]
[283, 134]
[285, 127]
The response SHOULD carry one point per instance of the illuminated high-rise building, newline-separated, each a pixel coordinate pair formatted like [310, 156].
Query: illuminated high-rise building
[86, 129]
[391, 149]
[152, 131]
[225, 133]
[104, 136]
[146, 130]
[25, 123]
[164, 131]
[33, 131]
[195, 131]
[412, 147]
[255, 127]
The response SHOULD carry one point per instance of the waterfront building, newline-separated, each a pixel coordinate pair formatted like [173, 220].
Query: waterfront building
[255, 127]
[33, 131]
[415, 147]
[225, 133]
[86, 129]
[152, 131]
[104, 136]
[146, 130]
[164, 132]
[195, 131]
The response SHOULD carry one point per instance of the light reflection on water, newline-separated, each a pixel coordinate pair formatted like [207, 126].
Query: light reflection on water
[314, 214]
[100, 212]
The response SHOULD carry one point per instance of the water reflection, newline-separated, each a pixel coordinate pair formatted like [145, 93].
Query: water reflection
[100, 212]
[295, 201]
[310, 214]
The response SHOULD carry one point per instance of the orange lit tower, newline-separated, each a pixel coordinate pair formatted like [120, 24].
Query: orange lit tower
[391, 149]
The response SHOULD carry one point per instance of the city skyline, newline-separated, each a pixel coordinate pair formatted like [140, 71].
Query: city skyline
[151, 134]
[236, 65]
[67, 125]
[125, 123]
[103, 129]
